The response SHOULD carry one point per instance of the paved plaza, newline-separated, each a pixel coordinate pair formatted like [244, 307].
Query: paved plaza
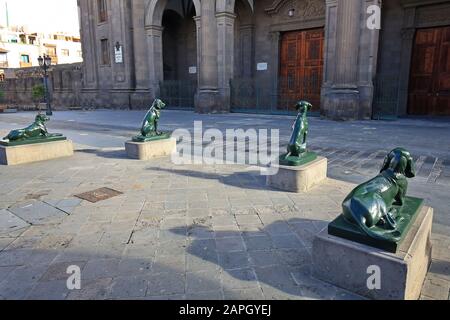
[196, 231]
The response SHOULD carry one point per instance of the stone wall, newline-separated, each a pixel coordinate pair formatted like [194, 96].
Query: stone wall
[65, 83]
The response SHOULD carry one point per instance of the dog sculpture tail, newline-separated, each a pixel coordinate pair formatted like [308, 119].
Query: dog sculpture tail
[350, 207]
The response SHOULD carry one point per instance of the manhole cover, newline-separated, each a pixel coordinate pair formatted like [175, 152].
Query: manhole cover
[99, 195]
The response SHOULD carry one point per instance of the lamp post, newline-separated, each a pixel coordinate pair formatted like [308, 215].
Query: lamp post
[45, 62]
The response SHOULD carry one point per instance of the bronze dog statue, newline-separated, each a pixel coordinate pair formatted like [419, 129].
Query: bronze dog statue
[149, 128]
[35, 130]
[297, 153]
[371, 204]
[297, 144]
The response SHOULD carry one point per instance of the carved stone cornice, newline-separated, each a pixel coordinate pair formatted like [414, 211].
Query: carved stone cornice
[303, 8]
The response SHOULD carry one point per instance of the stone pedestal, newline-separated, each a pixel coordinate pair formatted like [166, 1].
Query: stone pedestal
[14, 155]
[301, 178]
[151, 149]
[350, 265]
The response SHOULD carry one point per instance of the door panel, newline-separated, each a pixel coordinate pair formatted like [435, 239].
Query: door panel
[301, 67]
[429, 92]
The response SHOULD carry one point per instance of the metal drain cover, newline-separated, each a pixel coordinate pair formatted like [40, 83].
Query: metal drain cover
[99, 195]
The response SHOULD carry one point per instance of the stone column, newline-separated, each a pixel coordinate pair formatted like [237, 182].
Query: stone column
[140, 49]
[274, 64]
[247, 50]
[408, 33]
[155, 58]
[341, 95]
[141, 96]
[198, 25]
[207, 98]
[225, 56]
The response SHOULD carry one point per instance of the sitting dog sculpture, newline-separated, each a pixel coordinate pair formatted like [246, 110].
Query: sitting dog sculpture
[296, 149]
[35, 130]
[149, 127]
[372, 204]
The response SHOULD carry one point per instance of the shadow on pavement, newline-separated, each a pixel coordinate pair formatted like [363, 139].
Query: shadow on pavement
[109, 154]
[246, 180]
[277, 259]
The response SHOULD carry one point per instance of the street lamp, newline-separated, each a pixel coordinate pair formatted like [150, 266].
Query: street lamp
[45, 63]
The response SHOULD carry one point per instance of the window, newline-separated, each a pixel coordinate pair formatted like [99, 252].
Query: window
[80, 53]
[65, 52]
[105, 52]
[50, 51]
[102, 11]
[25, 58]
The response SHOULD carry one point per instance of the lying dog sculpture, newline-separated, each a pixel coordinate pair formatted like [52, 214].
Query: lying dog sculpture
[35, 130]
[372, 203]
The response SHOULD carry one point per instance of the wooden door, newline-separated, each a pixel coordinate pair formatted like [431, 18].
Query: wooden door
[301, 68]
[429, 92]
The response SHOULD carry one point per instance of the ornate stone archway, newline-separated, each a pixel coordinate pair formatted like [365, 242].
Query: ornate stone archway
[154, 10]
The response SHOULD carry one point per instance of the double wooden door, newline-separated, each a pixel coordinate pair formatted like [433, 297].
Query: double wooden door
[429, 91]
[301, 67]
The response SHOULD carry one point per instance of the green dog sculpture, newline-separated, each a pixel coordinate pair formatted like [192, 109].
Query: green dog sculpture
[297, 152]
[149, 129]
[33, 131]
[371, 205]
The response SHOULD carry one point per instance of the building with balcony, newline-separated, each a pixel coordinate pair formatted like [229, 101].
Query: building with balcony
[20, 49]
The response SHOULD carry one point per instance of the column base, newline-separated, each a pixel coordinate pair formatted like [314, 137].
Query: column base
[141, 99]
[209, 101]
[341, 104]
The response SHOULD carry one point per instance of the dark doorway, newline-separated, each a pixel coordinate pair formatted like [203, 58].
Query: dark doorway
[301, 67]
[429, 90]
[179, 55]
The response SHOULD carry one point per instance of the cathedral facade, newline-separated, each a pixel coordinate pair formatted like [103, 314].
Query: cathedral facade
[352, 59]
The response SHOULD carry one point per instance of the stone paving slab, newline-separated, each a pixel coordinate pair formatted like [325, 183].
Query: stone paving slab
[10, 223]
[37, 212]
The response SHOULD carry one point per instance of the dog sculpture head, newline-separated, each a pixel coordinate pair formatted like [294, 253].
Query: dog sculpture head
[159, 105]
[41, 118]
[400, 162]
[303, 106]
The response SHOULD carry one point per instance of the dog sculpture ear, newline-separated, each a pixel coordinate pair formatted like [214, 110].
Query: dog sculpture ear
[387, 162]
[410, 170]
[395, 161]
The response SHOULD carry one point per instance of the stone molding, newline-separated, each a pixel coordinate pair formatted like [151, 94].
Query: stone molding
[306, 8]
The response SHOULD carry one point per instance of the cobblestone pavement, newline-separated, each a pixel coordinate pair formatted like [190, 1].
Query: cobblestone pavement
[195, 232]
